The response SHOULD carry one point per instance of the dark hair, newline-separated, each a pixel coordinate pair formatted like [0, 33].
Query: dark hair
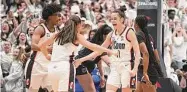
[94, 30]
[50, 9]
[17, 40]
[142, 21]
[69, 31]
[31, 1]
[131, 6]
[7, 34]
[121, 11]
[98, 37]
[170, 10]
[20, 2]
[76, 2]
[8, 41]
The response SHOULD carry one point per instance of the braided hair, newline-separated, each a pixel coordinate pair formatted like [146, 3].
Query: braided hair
[142, 21]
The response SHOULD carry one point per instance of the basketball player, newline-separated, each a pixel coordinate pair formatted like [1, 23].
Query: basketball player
[61, 71]
[147, 73]
[37, 68]
[122, 39]
[83, 72]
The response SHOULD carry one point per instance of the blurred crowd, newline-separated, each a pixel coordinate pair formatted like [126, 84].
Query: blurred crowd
[175, 39]
[19, 18]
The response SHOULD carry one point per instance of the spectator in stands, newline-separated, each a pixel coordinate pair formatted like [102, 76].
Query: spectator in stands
[183, 77]
[172, 3]
[91, 34]
[179, 46]
[6, 29]
[29, 33]
[22, 41]
[14, 81]
[6, 59]
[168, 45]
[184, 18]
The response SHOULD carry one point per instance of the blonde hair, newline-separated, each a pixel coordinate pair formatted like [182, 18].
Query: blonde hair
[21, 54]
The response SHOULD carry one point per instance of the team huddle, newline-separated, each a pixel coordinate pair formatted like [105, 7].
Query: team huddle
[52, 65]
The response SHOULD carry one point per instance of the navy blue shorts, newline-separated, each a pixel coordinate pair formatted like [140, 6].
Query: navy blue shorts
[152, 77]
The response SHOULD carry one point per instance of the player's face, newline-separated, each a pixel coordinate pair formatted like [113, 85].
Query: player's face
[116, 19]
[136, 26]
[79, 28]
[55, 18]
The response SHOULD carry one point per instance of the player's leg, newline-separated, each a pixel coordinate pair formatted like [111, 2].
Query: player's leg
[140, 81]
[125, 77]
[55, 72]
[113, 81]
[111, 88]
[139, 87]
[85, 79]
[29, 71]
[36, 78]
[46, 84]
[61, 76]
[148, 87]
[86, 82]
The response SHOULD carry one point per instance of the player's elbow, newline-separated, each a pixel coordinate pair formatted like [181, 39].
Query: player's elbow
[146, 54]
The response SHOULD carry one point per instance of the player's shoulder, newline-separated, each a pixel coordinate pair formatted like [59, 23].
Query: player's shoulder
[39, 29]
[130, 29]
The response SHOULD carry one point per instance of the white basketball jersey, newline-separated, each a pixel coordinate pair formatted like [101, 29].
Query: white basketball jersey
[62, 52]
[40, 58]
[122, 45]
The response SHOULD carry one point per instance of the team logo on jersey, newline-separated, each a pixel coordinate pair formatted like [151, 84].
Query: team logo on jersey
[119, 45]
[48, 34]
[122, 38]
